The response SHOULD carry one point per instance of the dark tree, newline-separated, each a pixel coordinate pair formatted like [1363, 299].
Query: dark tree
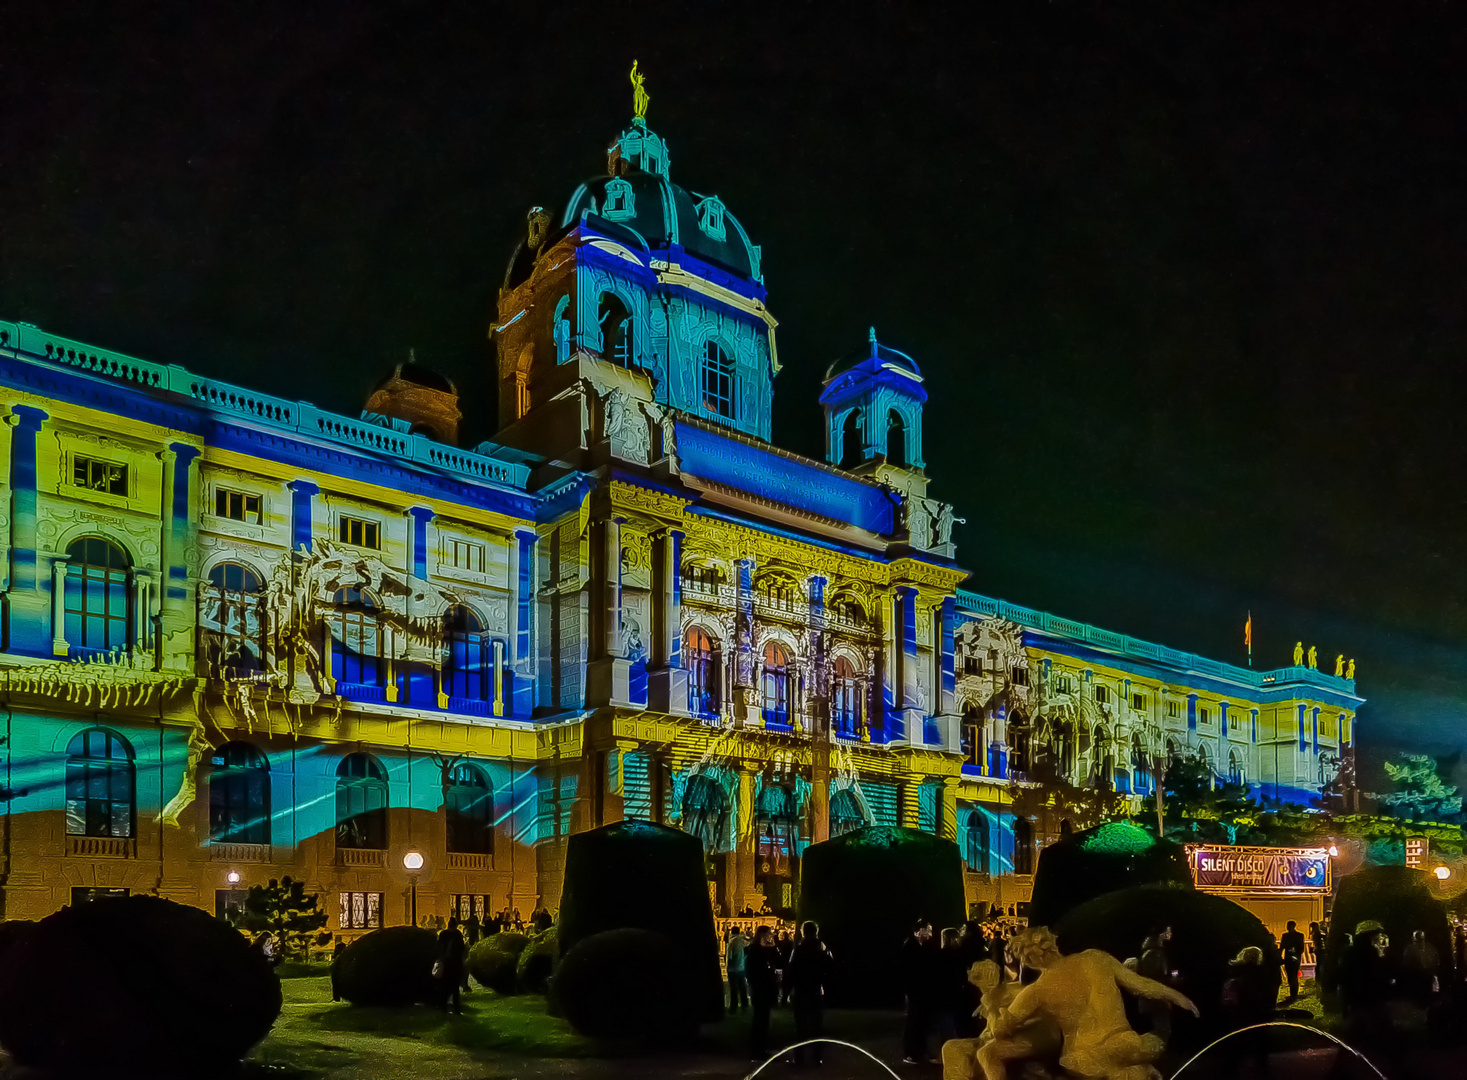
[283, 908]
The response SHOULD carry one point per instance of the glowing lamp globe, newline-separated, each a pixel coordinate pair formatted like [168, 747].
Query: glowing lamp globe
[232, 877]
[1442, 873]
[413, 860]
[1334, 852]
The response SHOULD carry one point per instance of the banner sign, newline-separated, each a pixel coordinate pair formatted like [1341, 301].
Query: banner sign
[1258, 868]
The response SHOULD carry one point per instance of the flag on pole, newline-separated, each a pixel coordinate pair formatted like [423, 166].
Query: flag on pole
[1248, 637]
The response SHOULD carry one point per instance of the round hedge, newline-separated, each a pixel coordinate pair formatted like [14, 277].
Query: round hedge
[867, 889]
[494, 961]
[629, 986]
[1397, 897]
[134, 985]
[537, 962]
[392, 966]
[1207, 932]
[1113, 856]
[635, 874]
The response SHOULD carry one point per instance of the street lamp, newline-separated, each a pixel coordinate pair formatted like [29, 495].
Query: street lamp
[232, 877]
[1442, 873]
[1334, 852]
[412, 862]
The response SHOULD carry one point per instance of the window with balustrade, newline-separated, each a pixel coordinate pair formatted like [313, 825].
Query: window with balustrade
[776, 684]
[973, 747]
[702, 580]
[470, 810]
[98, 596]
[239, 795]
[467, 664]
[701, 659]
[357, 633]
[232, 622]
[101, 792]
[361, 803]
[845, 698]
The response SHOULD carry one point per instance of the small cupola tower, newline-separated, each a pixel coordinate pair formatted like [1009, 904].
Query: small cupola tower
[418, 400]
[873, 414]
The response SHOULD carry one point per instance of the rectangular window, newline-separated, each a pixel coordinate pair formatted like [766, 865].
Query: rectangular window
[1063, 685]
[1102, 695]
[464, 555]
[1173, 710]
[81, 895]
[97, 475]
[466, 904]
[1021, 676]
[360, 533]
[361, 910]
[972, 665]
[1203, 716]
[1138, 702]
[237, 505]
[229, 904]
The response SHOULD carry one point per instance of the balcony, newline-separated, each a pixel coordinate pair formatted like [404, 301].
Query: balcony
[102, 847]
[459, 860]
[361, 858]
[239, 853]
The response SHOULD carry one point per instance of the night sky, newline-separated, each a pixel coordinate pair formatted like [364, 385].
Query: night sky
[1187, 286]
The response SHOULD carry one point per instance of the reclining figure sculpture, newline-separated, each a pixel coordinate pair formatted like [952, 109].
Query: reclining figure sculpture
[1073, 1012]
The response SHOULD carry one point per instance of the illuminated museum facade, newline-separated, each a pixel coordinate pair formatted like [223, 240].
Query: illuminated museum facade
[244, 637]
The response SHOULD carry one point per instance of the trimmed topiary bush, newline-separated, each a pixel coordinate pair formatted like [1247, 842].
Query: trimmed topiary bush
[629, 986]
[494, 961]
[134, 986]
[1397, 897]
[634, 874]
[866, 889]
[537, 962]
[1207, 932]
[1113, 856]
[392, 966]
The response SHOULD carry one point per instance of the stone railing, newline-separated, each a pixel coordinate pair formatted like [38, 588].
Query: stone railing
[458, 860]
[102, 847]
[364, 858]
[240, 853]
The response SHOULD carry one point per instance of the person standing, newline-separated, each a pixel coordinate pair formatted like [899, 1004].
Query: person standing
[472, 929]
[952, 982]
[449, 967]
[1291, 946]
[786, 946]
[761, 968]
[738, 985]
[1420, 965]
[807, 974]
[1155, 964]
[1316, 943]
[918, 978]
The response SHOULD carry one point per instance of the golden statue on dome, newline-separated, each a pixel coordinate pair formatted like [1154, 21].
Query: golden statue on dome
[640, 97]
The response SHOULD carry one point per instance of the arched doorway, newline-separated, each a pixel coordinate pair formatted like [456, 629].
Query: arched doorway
[776, 836]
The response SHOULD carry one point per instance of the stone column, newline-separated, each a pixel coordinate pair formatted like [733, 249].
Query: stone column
[612, 640]
[522, 692]
[29, 611]
[744, 891]
[948, 827]
[910, 797]
[58, 606]
[667, 682]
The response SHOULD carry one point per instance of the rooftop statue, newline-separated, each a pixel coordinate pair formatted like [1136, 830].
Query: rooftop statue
[1314, 658]
[1350, 670]
[1298, 654]
[1340, 666]
[640, 97]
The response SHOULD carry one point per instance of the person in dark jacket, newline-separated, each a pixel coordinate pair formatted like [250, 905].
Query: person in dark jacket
[806, 976]
[919, 978]
[1247, 999]
[952, 985]
[472, 929]
[448, 968]
[1291, 947]
[786, 945]
[762, 965]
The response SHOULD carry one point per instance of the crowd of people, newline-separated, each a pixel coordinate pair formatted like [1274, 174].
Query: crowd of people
[766, 971]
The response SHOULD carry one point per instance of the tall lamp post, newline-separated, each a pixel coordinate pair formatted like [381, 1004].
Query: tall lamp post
[412, 862]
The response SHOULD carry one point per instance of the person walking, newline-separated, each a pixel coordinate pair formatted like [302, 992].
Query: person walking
[448, 968]
[1420, 965]
[761, 968]
[919, 976]
[738, 984]
[807, 975]
[1316, 944]
[472, 929]
[1155, 964]
[1291, 947]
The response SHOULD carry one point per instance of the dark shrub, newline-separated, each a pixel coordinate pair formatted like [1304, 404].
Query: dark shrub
[1397, 897]
[12, 930]
[537, 962]
[638, 875]
[1113, 856]
[866, 889]
[393, 966]
[1207, 932]
[135, 985]
[494, 961]
[628, 986]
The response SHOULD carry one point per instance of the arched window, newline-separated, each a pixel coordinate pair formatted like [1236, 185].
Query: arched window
[361, 803]
[705, 813]
[98, 595]
[470, 811]
[1235, 769]
[1140, 766]
[701, 658]
[776, 828]
[239, 795]
[357, 646]
[776, 684]
[562, 330]
[845, 697]
[1173, 755]
[978, 841]
[1023, 846]
[845, 813]
[973, 748]
[100, 793]
[616, 332]
[1064, 750]
[1019, 756]
[466, 663]
[718, 381]
[1102, 762]
[852, 448]
[232, 622]
[896, 440]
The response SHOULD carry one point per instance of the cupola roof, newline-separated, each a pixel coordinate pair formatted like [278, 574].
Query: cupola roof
[874, 357]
